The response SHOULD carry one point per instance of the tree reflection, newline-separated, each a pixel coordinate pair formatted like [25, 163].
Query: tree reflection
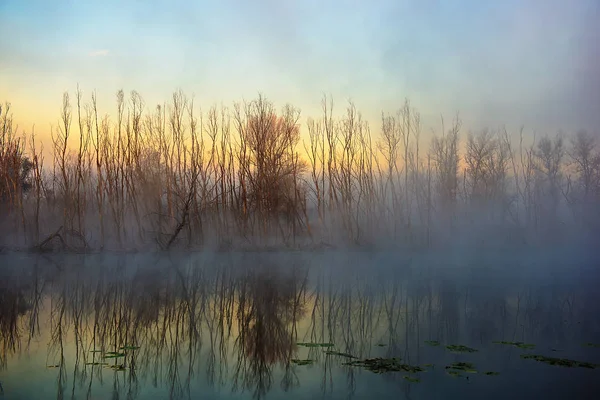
[181, 326]
[270, 304]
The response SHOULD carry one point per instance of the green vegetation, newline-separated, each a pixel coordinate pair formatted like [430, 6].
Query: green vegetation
[453, 373]
[113, 354]
[382, 365]
[520, 345]
[462, 366]
[491, 373]
[432, 342]
[302, 362]
[315, 344]
[337, 353]
[561, 362]
[412, 379]
[458, 348]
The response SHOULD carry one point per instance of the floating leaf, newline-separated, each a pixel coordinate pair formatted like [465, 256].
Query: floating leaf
[454, 374]
[491, 373]
[561, 362]
[95, 363]
[432, 342]
[114, 355]
[381, 365]
[411, 378]
[521, 345]
[462, 366]
[95, 351]
[302, 362]
[315, 344]
[337, 353]
[429, 365]
[458, 348]
[381, 345]
[53, 366]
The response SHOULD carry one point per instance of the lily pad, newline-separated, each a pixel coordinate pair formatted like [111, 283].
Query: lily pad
[462, 366]
[412, 379]
[337, 353]
[454, 374]
[459, 348]
[95, 363]
[491, 373]
[302, 362]
[114, 355]
[521, 345]
[561, 362]
[432, 342]
[53, 366]
[315, 344]
[381, 345]
[381, 365]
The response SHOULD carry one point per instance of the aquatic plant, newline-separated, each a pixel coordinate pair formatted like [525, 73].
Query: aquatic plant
[462, 366]
[521, 345]
[302, 362]
[381, 365]
[337, 353]
[560, 362]
[459, 348]
[315, 344]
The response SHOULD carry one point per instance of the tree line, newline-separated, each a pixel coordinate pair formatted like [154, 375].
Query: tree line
[243, 176]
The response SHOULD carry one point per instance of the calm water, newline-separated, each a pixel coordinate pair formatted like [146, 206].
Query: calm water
[233, 325]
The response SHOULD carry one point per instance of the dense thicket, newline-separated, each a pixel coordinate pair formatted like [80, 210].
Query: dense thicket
[240, 176]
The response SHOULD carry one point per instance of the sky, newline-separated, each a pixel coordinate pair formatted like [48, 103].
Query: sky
[515, 62]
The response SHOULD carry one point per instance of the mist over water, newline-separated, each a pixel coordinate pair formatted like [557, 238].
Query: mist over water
[259, 325]
[403, 202]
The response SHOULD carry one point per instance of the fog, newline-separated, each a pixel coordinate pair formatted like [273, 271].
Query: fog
[221, 254]
[436, 237]
[244, 178]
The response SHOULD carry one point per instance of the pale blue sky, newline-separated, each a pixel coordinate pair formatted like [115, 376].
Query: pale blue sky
[533, 62]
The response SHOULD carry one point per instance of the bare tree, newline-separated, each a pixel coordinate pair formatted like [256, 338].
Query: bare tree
[445, 159]
[586, 160]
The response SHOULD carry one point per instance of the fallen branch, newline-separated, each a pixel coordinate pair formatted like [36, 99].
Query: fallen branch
[42, 246]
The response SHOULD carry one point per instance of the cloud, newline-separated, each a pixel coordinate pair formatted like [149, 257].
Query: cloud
[99, 53]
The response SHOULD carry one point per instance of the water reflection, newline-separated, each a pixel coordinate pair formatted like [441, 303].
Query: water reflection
[136, 327]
